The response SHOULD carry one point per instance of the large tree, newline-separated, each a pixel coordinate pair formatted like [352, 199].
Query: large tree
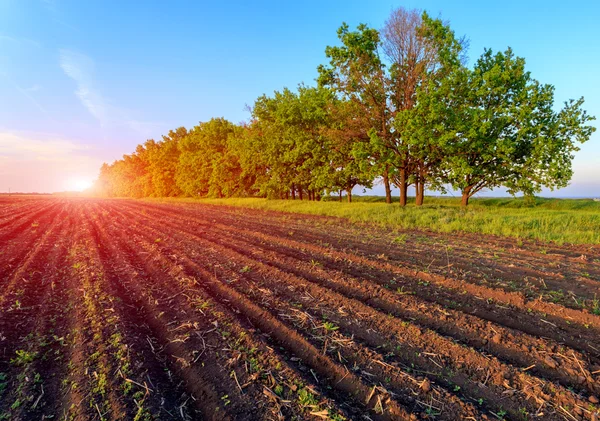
[424, 52]
[421, 51]
[416, 48]
[500, 129]
[164, 158]
[289, 137]
[204, 151]
[357, 74]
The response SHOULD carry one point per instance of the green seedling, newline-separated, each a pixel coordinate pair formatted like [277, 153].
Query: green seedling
[23, 357]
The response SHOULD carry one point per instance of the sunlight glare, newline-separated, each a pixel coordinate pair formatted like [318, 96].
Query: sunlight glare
[79, 184]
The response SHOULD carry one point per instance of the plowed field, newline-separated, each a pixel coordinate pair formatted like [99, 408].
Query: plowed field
[114, 309]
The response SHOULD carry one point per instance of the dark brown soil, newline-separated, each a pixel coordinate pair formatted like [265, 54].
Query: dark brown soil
[114, 309]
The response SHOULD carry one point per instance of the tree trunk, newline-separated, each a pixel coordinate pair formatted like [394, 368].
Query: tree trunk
[300, 194]
[293, 192]
[420, 187]
[466, 194]
[349, 191]
[386, 184]
[403, 188]
[341, 191]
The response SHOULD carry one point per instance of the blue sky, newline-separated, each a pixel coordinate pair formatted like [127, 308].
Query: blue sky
[84, 82]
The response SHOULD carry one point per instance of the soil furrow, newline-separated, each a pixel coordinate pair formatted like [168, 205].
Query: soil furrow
[26, 330]
[123, 309]
[284, 376]
[334, 374]
[506, 376]
[477, 301]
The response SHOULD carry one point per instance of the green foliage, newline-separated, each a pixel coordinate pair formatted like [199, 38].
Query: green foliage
[3, 382]
[306, 398]
[397, 107]
[23, 357]
[495, 126]
[206, 164]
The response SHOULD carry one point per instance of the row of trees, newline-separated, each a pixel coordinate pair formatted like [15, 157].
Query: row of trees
[398, 106]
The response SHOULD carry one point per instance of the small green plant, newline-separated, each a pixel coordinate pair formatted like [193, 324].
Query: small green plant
[501, 414]
[315, 264]
[245, 269]
[330, 327]
[524, 413]
[432, 412]
[226, 400]
[278, 389]
[401, 239]
[23, 357]
[3, 382]
[306, 398]
[334, 416]
[556, 296]
[402, 292]
[596, 306]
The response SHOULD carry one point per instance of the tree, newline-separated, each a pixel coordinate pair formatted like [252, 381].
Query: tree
[290, 140]
[347, 166]
[357, 74]
[502, 130]
[424, 52]
[164, 158]
[421, 51]
[204, 145]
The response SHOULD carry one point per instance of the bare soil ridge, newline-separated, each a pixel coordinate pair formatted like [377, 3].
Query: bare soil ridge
[117, 309]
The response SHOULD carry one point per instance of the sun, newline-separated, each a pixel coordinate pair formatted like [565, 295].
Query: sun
[79, 184]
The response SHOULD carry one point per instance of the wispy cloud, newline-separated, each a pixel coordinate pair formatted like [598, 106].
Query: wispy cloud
[55, 14]
[19, 40]
[38, 147]
[50, 5]
[27, 93]
[80, 68]
[33, 88]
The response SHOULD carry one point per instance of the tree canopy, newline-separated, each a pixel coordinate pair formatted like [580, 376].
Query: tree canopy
[398, 106]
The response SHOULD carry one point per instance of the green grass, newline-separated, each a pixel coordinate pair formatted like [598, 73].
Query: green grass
[559, 220]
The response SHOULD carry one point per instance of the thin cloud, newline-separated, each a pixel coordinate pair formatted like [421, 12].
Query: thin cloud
[50, 5]
[40, 147]
[27, 94]
[33, 88]
[19, 40]
[80, 68]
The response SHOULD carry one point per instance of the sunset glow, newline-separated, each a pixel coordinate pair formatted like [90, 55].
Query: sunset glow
[78, 184]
